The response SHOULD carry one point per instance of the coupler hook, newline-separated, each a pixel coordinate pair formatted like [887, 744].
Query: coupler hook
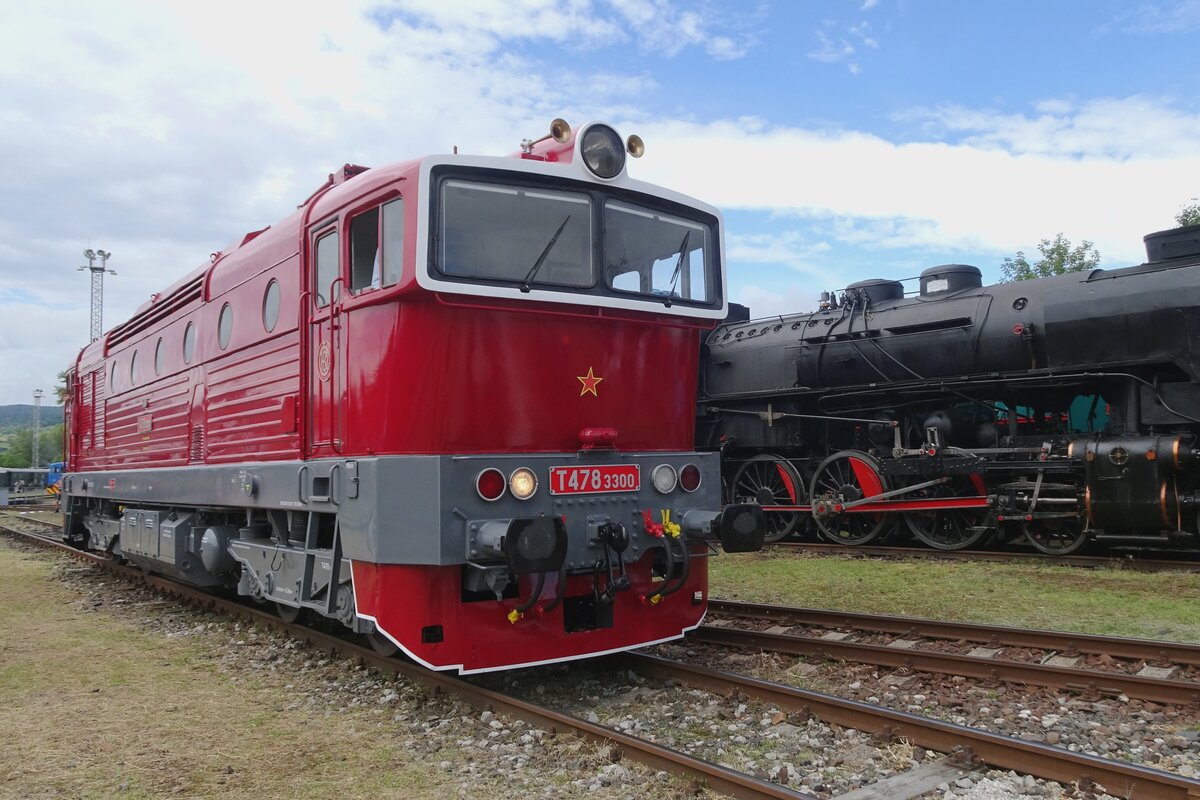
[615, 540]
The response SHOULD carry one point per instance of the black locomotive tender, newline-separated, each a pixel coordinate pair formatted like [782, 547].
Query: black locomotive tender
[1062, 409]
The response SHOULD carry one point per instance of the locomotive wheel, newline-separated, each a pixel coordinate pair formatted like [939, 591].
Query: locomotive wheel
[949, 529]
[381, 644]
[770, 481]
[1056, 537]
[291, 614]
[845, 477]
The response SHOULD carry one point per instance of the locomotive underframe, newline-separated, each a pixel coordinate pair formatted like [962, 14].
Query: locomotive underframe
[295, 533]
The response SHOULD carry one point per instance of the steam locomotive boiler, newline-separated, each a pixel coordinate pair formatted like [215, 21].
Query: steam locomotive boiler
[1064, 409]
[446, 403]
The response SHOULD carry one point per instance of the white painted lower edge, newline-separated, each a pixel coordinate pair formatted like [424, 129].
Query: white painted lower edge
[563, 660]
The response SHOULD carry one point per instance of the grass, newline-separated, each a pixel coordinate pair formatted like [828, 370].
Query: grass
[93, 707]
[1103, 601]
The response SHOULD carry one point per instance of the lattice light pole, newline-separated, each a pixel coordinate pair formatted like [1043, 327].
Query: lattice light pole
[37, 425]
[97, 287]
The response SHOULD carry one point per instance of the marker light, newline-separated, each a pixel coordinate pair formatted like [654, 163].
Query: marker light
[664, 478]
[689, 478]
[490, 484]
[603, 151]
[522, 483]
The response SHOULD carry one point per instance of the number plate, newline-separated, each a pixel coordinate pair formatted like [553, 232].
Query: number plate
[594, 480]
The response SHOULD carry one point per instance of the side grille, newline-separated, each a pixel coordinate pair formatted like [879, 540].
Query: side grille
[197, 448]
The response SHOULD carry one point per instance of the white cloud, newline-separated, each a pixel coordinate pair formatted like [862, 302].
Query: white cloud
[830, 51]
[768, 303]
[790, 248]
[973, 195]
[868, 5]
[1110, 128]
[838, 49]
[163, 132]
[662, 29]
[1180, 16]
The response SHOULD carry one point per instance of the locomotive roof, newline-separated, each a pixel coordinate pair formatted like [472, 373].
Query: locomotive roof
[228, 266]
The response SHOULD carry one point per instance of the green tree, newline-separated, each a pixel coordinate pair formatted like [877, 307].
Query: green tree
[61, 391]
[1189, 214]
[20, 447]
[1058, 258]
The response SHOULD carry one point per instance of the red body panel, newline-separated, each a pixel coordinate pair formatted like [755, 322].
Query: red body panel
[404, 599]
[472, 379]
[413, 372]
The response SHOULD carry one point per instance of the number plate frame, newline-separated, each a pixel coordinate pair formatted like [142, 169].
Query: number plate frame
[597, 479]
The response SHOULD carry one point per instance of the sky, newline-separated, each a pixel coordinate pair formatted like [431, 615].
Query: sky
[842, 139]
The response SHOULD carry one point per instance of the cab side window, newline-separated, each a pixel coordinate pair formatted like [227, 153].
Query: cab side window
[325, 270]
[393, 240]
[374, 266]
[365, 272]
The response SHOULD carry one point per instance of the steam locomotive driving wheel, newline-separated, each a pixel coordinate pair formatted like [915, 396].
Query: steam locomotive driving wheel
[844, 478]
[770, 481]
[1062, 534]
[1056, 537]
[954, 528]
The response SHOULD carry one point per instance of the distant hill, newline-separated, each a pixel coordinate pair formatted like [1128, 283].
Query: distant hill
[20, 415]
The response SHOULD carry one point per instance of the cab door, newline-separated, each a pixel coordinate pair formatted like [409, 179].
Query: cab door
[326, 367]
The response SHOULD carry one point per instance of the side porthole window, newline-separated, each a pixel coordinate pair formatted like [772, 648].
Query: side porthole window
[271, 306]
[112, 378]
[158, 357]
[189, 343]
[393, 240]
[225, 326]
[133, 369]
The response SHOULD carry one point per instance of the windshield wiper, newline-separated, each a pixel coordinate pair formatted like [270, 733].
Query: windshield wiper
[678, 266]
[542, 258]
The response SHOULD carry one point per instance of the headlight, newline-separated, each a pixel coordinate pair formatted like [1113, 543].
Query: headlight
[522, 483]
[664, 478]
[490, 484]
[689, 478]
[603, 151]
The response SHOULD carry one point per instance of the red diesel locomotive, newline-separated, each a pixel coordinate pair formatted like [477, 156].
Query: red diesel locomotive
[447, 402]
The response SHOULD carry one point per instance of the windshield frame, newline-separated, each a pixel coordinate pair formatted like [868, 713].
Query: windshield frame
[532, 175]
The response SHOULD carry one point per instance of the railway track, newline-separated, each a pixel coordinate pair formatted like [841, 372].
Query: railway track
[974, 746]
[1012, 655]
[1185, 562]
[722, 779]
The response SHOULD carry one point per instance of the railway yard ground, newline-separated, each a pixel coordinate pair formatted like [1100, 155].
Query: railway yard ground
[1034, 594]
[110, 689]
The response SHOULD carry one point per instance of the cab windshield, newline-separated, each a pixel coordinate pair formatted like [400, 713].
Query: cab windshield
[585, 241]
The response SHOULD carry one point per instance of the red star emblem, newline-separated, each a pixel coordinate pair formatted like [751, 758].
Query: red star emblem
[590, 382]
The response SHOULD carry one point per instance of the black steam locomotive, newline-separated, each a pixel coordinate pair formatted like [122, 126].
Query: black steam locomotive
[1062, 409]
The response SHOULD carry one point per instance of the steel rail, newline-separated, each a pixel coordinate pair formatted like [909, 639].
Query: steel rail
[722, 779]
[1137, 564]
[1158, 690]
[1040, 760]
[1045, 761]
[994, 635]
